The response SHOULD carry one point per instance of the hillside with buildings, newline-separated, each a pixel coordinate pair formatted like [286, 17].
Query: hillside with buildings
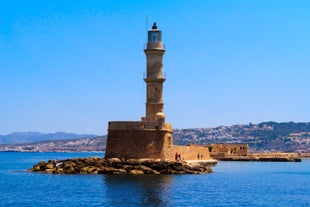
[266, 136]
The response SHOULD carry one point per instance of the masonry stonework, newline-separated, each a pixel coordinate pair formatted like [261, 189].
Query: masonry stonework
[228, 150]
[192, 152]
[137, 140]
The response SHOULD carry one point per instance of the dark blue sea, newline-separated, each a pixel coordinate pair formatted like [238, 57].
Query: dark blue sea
[231, 184]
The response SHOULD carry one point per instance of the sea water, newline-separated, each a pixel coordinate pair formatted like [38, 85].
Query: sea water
[231, 184]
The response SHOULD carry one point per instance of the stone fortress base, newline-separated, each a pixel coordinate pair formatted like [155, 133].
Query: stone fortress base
[148, 140]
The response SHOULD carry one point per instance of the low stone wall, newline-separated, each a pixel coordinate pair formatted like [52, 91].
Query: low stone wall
[305, 154]
[95, 165]
[191, 152]
[220, 150]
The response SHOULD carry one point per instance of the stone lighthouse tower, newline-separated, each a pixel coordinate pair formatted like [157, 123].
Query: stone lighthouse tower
[150, 138]
[154, 79]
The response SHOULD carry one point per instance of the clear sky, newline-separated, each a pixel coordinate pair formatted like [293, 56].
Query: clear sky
[75, 65]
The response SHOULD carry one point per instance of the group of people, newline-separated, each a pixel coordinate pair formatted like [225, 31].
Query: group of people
[177, 156]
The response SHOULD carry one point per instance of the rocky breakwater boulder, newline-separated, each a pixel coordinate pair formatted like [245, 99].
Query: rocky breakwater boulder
[96, 165]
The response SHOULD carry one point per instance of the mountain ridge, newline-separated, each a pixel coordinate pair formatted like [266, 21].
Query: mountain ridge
[27, 137]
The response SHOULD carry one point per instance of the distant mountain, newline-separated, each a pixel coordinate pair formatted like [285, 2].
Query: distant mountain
[89, 144]
[25, 137]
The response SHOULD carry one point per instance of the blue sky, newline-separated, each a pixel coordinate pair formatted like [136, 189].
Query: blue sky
[75, 65]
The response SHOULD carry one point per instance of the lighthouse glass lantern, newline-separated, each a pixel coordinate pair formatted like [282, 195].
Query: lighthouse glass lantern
[154, 35]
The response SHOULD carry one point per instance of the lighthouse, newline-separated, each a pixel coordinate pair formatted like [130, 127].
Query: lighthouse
[154, 79]
[151, 137]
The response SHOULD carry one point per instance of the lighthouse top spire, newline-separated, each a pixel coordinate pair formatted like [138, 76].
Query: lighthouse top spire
[154, 27]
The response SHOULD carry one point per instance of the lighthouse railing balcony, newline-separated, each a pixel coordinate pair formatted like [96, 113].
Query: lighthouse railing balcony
[154, 45]
[162, 76]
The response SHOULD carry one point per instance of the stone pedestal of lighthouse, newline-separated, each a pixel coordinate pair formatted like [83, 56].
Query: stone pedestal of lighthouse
[151, 137]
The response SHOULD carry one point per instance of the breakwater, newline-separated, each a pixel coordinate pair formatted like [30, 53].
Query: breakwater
[96, 165]
[263, 157]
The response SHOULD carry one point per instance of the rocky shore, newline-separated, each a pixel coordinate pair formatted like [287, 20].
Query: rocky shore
[96, 165]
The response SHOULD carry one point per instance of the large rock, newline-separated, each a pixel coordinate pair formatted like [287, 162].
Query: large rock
[114, 160]
[49, 166]
[36, 168]
[108, 170]
[59, 170]
[136, 172]
[49, 170]
[69, 170]
[148, 170]
[120, 171]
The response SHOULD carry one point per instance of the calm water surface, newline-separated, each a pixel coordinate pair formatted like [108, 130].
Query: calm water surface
[231, 184]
